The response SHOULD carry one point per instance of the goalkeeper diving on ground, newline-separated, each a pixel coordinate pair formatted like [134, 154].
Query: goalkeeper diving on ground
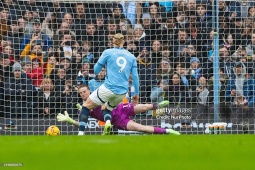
[121, 115]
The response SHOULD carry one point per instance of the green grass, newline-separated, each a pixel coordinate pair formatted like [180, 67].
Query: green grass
[145, 152]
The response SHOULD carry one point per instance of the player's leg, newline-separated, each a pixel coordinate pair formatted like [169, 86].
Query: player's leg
[107, 113]
[133, 126]
[140, 108]
[92, 101]
[112, 103]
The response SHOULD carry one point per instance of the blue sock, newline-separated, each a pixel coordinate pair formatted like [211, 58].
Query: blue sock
[107, 115]
[83, 118]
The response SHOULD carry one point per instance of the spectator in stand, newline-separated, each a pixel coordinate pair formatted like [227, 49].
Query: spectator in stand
[115, 12]
[204, 19]
[146, 71]
[59, 9]
[222, 7]
[164, 69]
[154, 10]
[149, 27]
[132, 46]
[34, 71]
[69, 98]
[45, 40]
[124, 26]
[177, 91]
[204, 97]
[182, 18]
[58, 77]
[132, 11]
[156, 55]
[21, 25]
[189, 52]
[251, 11]
[48, 99]
[195, 67]
[18, 93]
[159, 91]
[238, 24]
[160, 7]
[4, 27]
[36, 49]
[224, 62]
[68, 17]
[13, 7]
[37, 8]
[9, 51]
[189, 81]
[112, 26]
[100, 24]
[166, 53]
[245, 59]
[169, 33]
[240, 89]
[230, 43]
[68, 46]
[250, 48]
[14, 36]
[69, 66]
[5, 68]
[140, 35]
[180, 43]
[191, 6]
[246, 35]
[64, 29]
[50, 25]
[244, 8]
[28, 21]
[85, 74]
[223, 80]
[49, 65]
[97, 81]
[80, 18]
[91, 35]
[87, 51]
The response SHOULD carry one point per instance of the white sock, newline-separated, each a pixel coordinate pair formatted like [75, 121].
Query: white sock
[167, 130]
[108, 121]
[81, 133]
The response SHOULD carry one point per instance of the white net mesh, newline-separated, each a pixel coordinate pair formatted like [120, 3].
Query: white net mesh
[48, 49]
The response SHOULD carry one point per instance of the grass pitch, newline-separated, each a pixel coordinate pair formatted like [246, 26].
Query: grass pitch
[144, 152]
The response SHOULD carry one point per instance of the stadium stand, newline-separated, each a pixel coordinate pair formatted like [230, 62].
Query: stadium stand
[49, 48]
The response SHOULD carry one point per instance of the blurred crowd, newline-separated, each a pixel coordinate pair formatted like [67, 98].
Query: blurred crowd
[48, 49]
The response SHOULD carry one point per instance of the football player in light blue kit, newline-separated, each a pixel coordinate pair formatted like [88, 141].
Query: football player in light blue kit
[119, 63]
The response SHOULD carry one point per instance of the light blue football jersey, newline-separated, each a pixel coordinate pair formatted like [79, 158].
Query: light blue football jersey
[119, 63]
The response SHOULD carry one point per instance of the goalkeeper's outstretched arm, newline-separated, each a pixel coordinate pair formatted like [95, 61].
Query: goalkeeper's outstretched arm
[66, 118]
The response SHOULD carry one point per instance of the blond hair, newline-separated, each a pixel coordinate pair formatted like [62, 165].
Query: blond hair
[118, 39]
[44, 81]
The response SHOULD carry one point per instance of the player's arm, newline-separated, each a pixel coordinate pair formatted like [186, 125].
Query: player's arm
[140, 108]
[66, 118]
[100, 63]
[135, 82]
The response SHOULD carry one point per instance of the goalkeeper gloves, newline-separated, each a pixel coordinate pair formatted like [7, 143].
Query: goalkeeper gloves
[65, 118]
[79, 107]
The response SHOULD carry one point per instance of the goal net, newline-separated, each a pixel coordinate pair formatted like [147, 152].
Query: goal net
[198, 54]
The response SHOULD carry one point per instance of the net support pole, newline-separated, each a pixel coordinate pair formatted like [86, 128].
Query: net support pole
[216, 62]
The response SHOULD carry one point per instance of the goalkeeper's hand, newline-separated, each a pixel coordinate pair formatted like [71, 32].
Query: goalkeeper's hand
[135, 99]
[65, 118]
[78, 106]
